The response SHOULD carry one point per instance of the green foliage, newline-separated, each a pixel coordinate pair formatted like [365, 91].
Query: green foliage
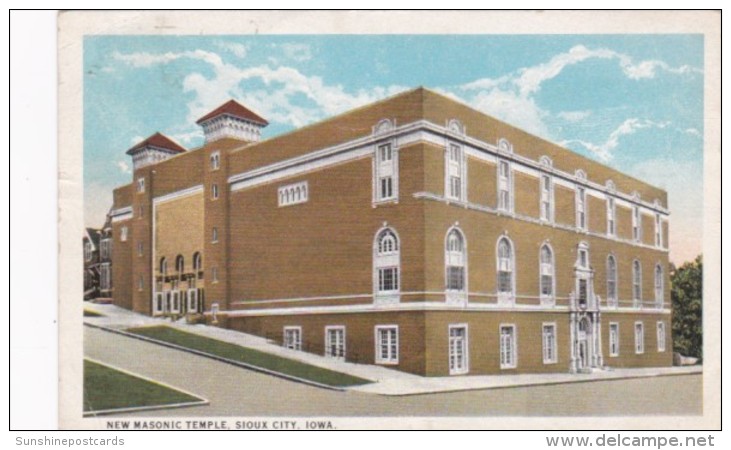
[687, 298]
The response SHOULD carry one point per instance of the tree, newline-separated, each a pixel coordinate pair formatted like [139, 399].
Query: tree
[687, 298]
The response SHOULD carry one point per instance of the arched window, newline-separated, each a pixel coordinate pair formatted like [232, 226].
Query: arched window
[611, 281]
[197, 262]
[180, 264]
[505, 278]
[659, 286]
[547, 274]
[455, 261]
[387, 261]
[163, 266]
[636, 283]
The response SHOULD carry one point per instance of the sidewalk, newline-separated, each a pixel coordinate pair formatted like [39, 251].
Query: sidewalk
[386, 381]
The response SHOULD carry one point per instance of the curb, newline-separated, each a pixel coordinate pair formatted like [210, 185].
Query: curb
[523, 385]
[220, 359]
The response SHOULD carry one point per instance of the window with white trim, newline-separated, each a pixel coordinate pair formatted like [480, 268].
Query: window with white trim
[179, 264]
[636, 224]
[215, 160]
[163, 266]
[293, 194]
[661, 336]
[335, 342]
[214, 235]
[508, 351]
[214, 192]
[505, 266]
[611, 217]
[659, 286]
[546, 198]
[140, 185]
[387, 344]
[455, 172]
[636, 283]
[197, 262]
[580, 208]
[547, 275]
[612, 281]
[639, 338]
[386, 176]
[505, 188]
[658, 231]
[455, 259]
[387, 262]
[458, 350]
[123, 232]
[292, 338]
[613, 339]
[550, 355]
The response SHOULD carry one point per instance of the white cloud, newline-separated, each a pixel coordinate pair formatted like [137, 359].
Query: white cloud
[693, 132]
[573, 116]
[297, 52]
[123, 167]
[136, 140]
[291, 97]
[187, 137]
[605, 151]
[238, 49]
[511, 97]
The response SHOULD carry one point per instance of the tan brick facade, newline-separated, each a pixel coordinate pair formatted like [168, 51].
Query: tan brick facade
[315, 262]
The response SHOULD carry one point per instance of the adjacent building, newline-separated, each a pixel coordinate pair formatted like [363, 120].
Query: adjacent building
[414, 232]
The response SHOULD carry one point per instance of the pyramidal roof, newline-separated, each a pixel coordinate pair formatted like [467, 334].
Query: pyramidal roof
[236, 109]
[158, 140]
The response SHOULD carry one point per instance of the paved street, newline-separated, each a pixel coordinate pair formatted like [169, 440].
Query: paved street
[235, 391]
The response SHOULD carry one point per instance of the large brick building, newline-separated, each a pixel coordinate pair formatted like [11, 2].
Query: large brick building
[414, 232]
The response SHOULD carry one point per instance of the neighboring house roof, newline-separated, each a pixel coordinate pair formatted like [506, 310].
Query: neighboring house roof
[236, 109]
[92, 235]
[158, 140]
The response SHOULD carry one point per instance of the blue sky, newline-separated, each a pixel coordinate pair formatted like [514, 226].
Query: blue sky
[634, 102]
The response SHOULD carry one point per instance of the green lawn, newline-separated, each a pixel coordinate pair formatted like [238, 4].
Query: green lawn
[106, 388]
[249, 356]
[90, 313]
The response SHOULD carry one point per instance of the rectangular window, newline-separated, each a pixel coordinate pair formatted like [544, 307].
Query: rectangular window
[508, 352]
[546, 198]
[123, 234]
[639, 338]
[140, 283]
[386, 173]
[504, 186]
[455, 278]
[613, 339]
[455, 169]
[214, 274]
[214, 235]
[636, 224]
[335, 342]
[215, 160]
[583, 292]
[661, 336]
[658, 231]
[293, 194]
[387, 344]
[458, 357]
[140, 185]
[549, 343]
[580, 208]
[214, 191]
[139, 249]
[611, 217]
[388, 279]
[292, 338]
